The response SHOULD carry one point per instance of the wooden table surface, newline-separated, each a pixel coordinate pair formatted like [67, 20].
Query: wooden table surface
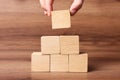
[104, 66]
[22, 23]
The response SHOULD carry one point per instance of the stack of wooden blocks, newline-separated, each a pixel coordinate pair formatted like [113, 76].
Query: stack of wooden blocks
[59, 54]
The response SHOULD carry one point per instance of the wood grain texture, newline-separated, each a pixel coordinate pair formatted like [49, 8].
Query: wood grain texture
[22, 23]
[103, 66]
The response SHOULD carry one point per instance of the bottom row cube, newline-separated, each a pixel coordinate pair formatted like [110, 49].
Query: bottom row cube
[59, 63]
[40, 62]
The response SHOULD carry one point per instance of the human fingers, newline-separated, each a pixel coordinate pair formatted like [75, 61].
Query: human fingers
[49, 6]
[76, 5]
[43, 5]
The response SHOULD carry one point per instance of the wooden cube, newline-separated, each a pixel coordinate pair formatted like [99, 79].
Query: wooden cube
[39, 62]
[59, 63]
[50, 45]
[61, 19]
[69, 44]
[78, 63]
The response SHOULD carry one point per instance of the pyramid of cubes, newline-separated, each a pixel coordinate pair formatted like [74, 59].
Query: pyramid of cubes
[59, 53]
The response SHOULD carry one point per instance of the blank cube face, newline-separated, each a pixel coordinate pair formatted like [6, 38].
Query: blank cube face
[78, 63]
[69, 44]
[59, 63]
[39, 62]
[61, 19]
[50, 45]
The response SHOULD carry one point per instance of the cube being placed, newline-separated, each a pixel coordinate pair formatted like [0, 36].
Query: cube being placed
[59, 63]
[78, 63]
[69, 44]
[61, 19]
[39, 62]
[50, 45]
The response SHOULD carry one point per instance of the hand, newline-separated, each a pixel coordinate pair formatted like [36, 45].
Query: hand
[76, 5]
[47, 5]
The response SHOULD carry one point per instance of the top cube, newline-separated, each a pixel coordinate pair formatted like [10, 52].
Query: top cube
[61, 19]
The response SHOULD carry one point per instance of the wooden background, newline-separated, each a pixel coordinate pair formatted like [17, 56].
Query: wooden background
[22, 23]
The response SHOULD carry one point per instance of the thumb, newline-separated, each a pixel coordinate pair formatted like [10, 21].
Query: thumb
[76, 5]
